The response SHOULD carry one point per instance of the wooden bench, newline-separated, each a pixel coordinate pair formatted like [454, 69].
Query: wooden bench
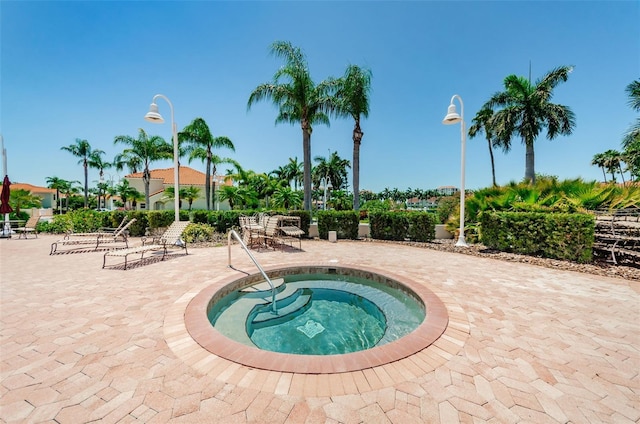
[617, 233]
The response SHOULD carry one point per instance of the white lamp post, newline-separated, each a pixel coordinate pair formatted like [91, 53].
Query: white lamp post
[453, 118]
[326, 182]
[154, 116]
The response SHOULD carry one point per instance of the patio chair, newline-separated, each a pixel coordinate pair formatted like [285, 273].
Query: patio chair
[121, 235]
[252, 231]
[172, 237]
[289, 227]
[29, 227]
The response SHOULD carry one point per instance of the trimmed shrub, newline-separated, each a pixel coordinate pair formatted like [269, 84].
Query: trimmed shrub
[198, 233]
[345, 223]
[402, 226]
[552, 235]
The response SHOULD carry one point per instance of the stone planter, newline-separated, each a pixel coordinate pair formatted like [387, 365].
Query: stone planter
[442, 233]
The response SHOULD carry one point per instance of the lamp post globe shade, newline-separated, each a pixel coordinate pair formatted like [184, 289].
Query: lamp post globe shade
[452, 116]
[153, 115]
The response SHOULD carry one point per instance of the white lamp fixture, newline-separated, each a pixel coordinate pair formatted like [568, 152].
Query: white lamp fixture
[452, 117]
[154, 116]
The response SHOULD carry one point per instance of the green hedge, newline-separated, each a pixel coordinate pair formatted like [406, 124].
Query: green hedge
[88, 220]
[345, 223]
[401, 226]
[552, 235]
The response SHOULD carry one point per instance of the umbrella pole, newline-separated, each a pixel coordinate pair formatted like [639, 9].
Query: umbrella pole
[6, 227]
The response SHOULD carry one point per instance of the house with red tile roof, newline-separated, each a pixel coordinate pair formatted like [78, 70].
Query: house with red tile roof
[162, 179]
[47, 195]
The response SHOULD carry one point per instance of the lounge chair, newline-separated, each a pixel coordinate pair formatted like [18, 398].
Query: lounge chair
[103, 230]
[79, 240]
[29, 227]
[172, 237]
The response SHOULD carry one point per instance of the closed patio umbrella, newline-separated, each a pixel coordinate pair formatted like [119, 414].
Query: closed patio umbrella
[5, 207]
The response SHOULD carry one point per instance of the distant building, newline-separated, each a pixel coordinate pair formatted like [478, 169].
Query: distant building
[162, 179]
[47, 195]
[448, 190]
[421, 204]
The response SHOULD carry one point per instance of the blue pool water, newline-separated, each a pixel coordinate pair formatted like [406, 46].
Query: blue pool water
[318, 314]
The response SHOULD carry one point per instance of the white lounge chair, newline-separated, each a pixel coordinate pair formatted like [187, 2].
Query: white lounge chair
[97, 238]
[172, 237]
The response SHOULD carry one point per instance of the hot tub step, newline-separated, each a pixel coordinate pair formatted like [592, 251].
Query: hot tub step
[287, 310]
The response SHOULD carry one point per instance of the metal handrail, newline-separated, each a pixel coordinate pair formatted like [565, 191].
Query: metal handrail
[246, 249]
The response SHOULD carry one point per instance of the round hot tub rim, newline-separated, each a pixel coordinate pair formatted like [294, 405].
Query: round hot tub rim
[200, 329]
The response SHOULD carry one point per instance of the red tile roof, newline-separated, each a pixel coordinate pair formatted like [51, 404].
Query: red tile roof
[188, 176]
[32, 188]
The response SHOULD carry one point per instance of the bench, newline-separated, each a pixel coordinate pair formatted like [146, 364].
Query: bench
[617, 233]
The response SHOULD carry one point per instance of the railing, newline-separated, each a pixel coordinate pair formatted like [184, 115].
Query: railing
[246, 249]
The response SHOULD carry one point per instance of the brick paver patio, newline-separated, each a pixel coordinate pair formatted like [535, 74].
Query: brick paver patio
[525, 344]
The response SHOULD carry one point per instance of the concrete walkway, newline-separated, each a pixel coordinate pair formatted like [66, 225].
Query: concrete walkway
[83, 344]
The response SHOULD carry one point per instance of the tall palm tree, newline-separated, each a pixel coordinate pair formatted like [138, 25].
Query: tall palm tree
[199, 144]
[58, 184]
[82, 149]
[147, 150]
[353, 100]
[526, 110]
[599, 160]
[482, 123]
[633, 134]
[299, 100]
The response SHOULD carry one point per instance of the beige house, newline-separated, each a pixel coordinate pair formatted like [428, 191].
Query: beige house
[47, 195]
[163, 178]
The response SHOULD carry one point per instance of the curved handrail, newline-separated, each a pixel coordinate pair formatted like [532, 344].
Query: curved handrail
[244, 246]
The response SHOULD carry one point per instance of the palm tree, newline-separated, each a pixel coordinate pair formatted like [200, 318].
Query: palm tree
[68, 188]
[215, 161]
[633, 90]
[353, 100]
[126, 192]
[298, 100]
[599, 160]
[334, 168]
[199, 145]
[482, 123]
[21, 199]
[527, 110]
[286, 198]
[612, 160]
[294, 172]
[231, 194]
[128, 159]
[82, 149]
[57, 184]
[146, 150]
[190, 194]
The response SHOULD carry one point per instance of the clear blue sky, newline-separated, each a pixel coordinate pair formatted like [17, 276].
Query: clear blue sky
[90, 69]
